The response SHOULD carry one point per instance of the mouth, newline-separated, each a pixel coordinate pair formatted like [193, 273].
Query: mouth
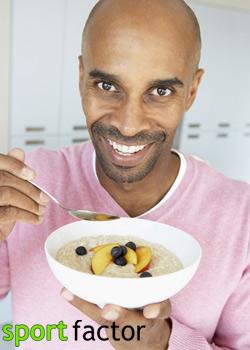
[125, 150]
[123, 155]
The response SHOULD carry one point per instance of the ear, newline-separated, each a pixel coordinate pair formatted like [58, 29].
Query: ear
[194, 88]
[81, 72]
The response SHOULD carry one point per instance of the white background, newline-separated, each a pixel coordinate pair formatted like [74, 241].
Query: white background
[44, 101]
[45, 104]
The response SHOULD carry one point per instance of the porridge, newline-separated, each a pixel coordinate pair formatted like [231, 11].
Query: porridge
[118, 256]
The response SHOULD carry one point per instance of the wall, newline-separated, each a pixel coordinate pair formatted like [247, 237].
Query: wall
[5, 306]
[4, 72]
[217, 128]
[235, 4]
[45, 105]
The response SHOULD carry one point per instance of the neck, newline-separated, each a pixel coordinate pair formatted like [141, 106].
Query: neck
[139, 197]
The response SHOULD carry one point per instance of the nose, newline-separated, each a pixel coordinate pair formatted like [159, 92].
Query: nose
[131, 118]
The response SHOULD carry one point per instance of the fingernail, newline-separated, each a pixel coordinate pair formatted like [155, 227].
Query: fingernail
[44, 199]
[111, 315]
[151, 312]
[28, 173]
[67, 295]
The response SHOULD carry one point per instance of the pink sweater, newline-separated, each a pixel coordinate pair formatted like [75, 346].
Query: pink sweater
[212, 312]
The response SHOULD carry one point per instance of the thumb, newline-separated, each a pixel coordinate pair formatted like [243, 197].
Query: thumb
[17, 153]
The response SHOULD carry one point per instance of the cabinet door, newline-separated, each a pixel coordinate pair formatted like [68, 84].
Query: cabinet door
[223, 97]
[5, 310]
[32, 141]
[217, 126]
[37, 55]
[72, 116]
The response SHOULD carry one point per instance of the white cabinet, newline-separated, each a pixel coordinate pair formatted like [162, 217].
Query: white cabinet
[45, 102]
[34, 140]
[37, 56]
[72, 117]
[217, 127]
[5, 310]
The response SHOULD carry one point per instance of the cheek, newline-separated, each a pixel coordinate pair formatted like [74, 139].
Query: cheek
[169, 117]
[95, 108]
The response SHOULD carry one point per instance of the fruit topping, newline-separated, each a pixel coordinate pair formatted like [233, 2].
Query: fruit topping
[101, 259]
[121, 255]
[116, 252]
[121, 261]
[131, 256]
[145, 274]
[81, 250]
[131, 245]
[98, 247]
[124, 250]
[144, 256]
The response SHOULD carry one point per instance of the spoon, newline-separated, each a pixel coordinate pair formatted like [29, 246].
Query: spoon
[78, 213]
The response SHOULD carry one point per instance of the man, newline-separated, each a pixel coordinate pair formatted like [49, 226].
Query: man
[138, 76]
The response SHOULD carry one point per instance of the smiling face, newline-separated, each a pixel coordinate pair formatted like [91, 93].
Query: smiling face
[137, 78]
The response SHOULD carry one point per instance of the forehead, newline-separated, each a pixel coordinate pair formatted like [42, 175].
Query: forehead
[139, 45]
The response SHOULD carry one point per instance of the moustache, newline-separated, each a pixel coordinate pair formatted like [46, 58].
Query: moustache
[142, 137]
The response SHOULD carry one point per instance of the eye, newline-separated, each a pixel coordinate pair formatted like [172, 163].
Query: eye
[106, 86]
[161, 91]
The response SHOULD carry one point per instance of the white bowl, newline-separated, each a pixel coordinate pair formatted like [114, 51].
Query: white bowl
[126, 292]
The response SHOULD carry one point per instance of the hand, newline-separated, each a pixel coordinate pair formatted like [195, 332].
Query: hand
[153, 321]
[19, 200]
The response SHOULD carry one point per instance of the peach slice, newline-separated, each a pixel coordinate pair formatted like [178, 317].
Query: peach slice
[144, 257]
[131, 256]
[99, 247]
[102, 258]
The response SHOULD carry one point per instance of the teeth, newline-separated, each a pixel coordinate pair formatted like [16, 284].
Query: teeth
[125, 150]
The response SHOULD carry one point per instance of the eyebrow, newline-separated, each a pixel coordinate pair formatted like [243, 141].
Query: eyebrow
[99, 74]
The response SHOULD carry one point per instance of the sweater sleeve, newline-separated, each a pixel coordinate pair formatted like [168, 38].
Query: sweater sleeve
[233, 329]
[4, 270]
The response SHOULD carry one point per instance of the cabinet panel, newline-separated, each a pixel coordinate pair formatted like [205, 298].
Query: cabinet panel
[32, 141]
[77, 12]
[6, 310]
[37, 49]
[74, 138]
[223, 96]
[217, 127]
[228, 152]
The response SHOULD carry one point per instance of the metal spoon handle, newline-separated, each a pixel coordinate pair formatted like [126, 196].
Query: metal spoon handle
[48, 194]
[80, 214]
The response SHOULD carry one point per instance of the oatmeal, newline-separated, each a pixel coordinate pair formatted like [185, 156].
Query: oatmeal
[118, 256]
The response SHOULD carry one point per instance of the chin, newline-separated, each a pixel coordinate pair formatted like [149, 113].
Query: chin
[122, 175]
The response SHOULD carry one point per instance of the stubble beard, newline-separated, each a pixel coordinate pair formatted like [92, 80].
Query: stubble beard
[123, 174]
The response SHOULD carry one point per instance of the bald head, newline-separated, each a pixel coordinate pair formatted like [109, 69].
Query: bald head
[138, 77]
[176, 13]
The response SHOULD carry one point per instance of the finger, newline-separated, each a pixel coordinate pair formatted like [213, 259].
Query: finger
[113, 312]
[121, 315]
[16, 167]
[9, 180]
[12, 214]
[17, 153]
[89, 309]
[11, 197]
[159, 310]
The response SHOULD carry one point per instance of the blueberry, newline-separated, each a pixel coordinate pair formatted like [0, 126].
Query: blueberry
[131, 245]
[145, 274]
[81, 251]
[116, 252]
[121, 261]
[124, 250]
